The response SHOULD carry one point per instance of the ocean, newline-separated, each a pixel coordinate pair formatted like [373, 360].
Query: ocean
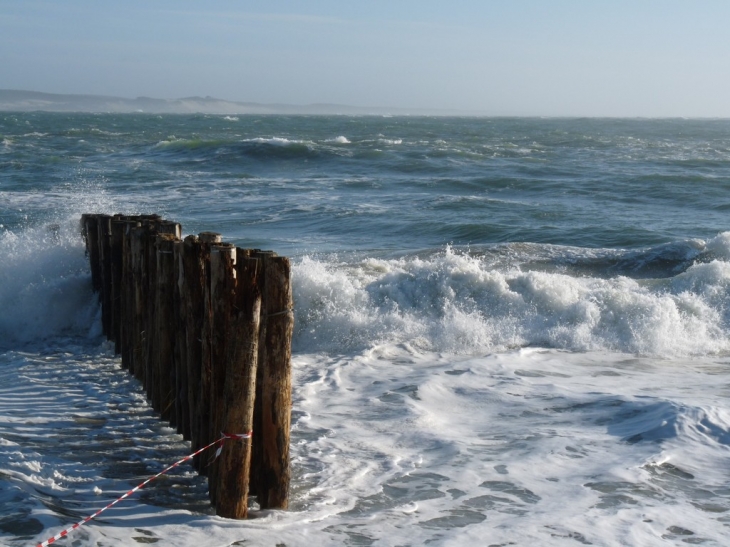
[508, 331]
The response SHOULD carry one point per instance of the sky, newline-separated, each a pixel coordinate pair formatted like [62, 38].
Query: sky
[651, 58]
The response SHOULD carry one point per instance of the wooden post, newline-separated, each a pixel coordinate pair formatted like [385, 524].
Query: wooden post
[151, 373]
[138, 313]
[222, 291]
[207, 434]
[91, 234]
[182, 402]
[169, 227]
[273, 473]
[164, 326]
[127, 302]
[115, 317]
[257, 448]
[193, 302]
[155, 385]
[105, 229]
[240, 390]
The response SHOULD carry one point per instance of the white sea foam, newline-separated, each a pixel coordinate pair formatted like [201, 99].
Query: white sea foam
[276, 141]
[396, 446]
[339, 140]
[163, 144]
[720, 246]
[44, 285]
[458, 303]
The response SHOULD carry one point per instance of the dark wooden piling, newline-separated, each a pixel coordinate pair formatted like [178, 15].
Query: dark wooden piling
[257, 448]
[149, 342]
[90, 230]
[105, 232]
[127, 296]
[138, 311]
[164, 324]
[206, 328]
[222, 293]
[273, 471]
[182, 404]
[240, 388]
[193, 280]
[118, 227]
[207, 433]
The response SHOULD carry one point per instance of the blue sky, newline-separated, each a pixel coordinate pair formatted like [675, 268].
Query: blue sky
[516, 57]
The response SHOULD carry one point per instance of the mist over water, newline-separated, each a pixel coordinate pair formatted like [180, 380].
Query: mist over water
[493, 316]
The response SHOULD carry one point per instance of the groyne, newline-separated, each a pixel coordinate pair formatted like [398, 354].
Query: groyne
[206, 327]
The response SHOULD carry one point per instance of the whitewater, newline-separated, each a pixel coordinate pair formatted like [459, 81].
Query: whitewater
[507, 331]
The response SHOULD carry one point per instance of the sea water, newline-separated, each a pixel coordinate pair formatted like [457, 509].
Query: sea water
[508, 331]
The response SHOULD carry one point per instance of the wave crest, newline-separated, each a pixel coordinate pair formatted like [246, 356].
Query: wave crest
[456, 302]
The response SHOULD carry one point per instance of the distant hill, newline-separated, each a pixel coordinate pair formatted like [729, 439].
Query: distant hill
[31, 101]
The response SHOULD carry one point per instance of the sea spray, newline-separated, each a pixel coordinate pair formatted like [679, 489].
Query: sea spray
[457, 302]
[45, 287]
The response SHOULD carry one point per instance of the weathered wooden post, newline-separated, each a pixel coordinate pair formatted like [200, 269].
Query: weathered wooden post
[257, 448]
[182, 403]
[222, 291]
[105, 229]
[118, 225]
[272, 471]
[164, 333]
[91, 234]
[141, 238]
[207, 434]
[151, 373]
[156, 384]
[128, 289]
[239, 389]
[138, 320]
[193, 274]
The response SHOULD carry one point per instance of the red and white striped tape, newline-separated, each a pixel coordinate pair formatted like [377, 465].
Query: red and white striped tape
[223, 439]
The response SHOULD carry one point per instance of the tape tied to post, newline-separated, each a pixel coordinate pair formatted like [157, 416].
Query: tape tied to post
[221, 441]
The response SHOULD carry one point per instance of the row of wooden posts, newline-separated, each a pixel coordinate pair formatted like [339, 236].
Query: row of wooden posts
[206, 327]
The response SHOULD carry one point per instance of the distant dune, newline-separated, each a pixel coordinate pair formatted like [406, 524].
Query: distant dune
[31, 101]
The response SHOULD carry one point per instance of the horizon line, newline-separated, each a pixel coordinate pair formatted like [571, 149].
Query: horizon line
[287, 108]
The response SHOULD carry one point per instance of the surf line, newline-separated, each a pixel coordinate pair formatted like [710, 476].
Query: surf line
[224, 437]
